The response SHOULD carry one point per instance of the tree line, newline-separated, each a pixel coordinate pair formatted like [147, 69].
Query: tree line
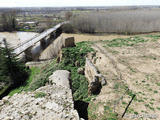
[8, 21]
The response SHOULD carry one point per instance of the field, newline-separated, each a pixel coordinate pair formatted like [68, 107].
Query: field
[125, 48]
[131, 65]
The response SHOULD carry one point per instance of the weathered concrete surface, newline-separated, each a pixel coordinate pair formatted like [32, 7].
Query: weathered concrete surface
[95, 79]
[54, 49]
[60, 78]
[55, 104]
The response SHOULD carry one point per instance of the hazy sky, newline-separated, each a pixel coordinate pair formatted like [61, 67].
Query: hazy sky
[61, 3]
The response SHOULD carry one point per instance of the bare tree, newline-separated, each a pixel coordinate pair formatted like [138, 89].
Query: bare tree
[8, 21]
[68, 15]
[49, 22]
[124, 21]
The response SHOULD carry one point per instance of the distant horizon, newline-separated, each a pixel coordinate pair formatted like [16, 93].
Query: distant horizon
[74, 3]
[80, 6]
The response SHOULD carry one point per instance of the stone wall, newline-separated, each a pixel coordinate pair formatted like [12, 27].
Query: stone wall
[51, 102]
[55, 47]
[95, 79]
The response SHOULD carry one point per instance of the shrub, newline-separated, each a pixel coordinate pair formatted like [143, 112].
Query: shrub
[40, 95]
[13, 73]
[67, 28]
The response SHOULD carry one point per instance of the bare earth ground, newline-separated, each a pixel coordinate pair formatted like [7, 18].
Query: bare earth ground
[90, 37]
[129, 70]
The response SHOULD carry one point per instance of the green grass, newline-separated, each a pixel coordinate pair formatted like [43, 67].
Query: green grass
[4, 89]
[119, 42]
[71, 56]
[154, 37]
[25, 87]
[40, 95]
[158, 108]
[158, 84]
[109, 114]
[27, 30]
[147, 105]
[155, 91]
[124, 103]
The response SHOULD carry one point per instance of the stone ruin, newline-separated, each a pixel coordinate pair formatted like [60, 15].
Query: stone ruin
[95, 79]
[55, 104]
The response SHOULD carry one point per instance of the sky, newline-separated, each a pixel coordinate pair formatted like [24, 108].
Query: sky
[70, 3]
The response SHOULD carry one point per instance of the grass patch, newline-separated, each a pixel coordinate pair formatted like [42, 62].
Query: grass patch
[147, 105]
[74, 58]
[155, 91]
[158, 108]
[154, 37]
[40, 95]
[158, 84]
[109, 114]
[119, 42]
[25, 87]
[124, 103]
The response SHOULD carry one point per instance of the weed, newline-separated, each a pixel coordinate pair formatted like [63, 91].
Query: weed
[119, 42]
[155, 91]
[109, 114]
[140, 100]
[147, 105]
[130, 93]
[136, 113]
[150, 89]
[154, 37]
[151, 103]
[158, 84]
[158, 108]
[40, 95]
[116, 86]
[124, 103]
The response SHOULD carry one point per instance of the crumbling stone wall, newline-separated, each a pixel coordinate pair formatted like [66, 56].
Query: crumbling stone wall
[51, 102]
[95, 79]
[55, 47]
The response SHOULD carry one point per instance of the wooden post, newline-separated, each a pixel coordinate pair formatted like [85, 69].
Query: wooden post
[128, 105]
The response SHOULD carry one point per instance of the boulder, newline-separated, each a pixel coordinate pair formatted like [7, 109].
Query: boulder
[69, 42]
[60, 78]
[80, 71]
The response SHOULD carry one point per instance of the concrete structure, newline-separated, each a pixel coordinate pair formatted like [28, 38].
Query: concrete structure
[44, 38]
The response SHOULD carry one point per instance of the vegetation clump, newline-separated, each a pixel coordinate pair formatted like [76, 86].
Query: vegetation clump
[13, 73]
[40, 95]
[119, 42]
[73, 58]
